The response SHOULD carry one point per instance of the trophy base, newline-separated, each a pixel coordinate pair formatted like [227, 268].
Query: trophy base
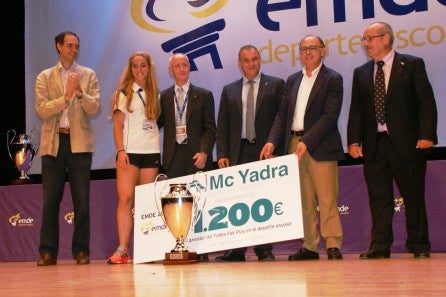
[21, 181]
[175, 258]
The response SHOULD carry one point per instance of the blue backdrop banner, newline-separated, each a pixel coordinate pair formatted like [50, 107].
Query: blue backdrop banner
[211, 33]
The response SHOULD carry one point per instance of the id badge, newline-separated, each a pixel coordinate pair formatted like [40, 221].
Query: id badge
[147, 125]
[180, 130]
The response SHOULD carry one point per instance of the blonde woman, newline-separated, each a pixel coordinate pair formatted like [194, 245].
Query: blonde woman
[136, 135]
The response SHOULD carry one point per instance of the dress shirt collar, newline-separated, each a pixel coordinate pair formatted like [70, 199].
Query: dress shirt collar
[185, 87]
[71, 69]
[136, 87]
[256, 79]
[314, 72]
[388, 58]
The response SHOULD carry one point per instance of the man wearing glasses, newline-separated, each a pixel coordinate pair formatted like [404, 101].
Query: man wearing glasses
[392, 124]
[308, 123]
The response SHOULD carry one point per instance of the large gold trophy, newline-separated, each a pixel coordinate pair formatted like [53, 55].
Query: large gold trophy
[180, 210]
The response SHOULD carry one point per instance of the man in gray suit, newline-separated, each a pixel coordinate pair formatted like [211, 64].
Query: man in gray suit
[308, 121]
[236, 144]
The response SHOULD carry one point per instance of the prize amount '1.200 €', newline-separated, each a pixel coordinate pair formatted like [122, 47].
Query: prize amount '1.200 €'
[239, 214]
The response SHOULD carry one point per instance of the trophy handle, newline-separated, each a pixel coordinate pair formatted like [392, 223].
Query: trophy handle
[201, 190]
[9, 141]
[156, 195]
[35, 144]
[35, 135]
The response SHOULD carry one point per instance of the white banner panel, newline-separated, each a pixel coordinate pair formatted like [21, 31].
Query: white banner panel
[245, 205]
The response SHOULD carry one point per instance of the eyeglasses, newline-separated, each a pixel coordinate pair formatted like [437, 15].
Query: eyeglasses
[310, 48]
[370, 38]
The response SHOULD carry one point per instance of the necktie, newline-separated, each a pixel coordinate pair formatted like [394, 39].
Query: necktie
[180, 95]
[250, 130]
[180, 123]
[380, 93]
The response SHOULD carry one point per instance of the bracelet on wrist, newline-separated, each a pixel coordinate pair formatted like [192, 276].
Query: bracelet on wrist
[118, 151]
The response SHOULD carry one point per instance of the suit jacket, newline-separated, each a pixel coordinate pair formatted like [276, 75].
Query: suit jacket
[410, 108]
[230, 115]
[200, 122]
[321, 134]
[50, 103]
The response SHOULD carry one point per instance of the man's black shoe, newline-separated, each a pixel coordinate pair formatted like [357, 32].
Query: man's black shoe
[421, 255]
[334, 254]
[82, 258]
[46, 260]
[230, 256]
[304, 254]
[374, 254]
[203, 258]
[265, 256]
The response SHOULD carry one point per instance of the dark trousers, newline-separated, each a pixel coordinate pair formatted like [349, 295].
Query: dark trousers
[249, 152]
[54, 172]
[409, 174]
[182, 162]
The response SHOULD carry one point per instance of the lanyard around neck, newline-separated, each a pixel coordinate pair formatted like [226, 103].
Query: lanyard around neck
[183, 107]
[140, 97]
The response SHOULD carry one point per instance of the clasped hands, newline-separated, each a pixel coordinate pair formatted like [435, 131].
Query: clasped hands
[72, 87]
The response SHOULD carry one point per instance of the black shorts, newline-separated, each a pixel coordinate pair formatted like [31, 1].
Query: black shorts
[145, 160]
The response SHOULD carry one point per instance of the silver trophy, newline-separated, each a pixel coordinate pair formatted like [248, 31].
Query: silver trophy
[24, 150]
[180, 209]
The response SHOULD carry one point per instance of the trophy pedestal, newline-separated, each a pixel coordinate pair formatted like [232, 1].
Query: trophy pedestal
[175, 258]
[178, 209]
[22, 181]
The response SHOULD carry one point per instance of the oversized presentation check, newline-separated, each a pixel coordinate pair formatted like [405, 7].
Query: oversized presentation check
[245, 205]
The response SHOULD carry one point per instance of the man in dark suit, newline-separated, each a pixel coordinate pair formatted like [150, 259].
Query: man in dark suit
[237, 143]
[394, 142]
[192, 121]
[308, 121]
[188, 118]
